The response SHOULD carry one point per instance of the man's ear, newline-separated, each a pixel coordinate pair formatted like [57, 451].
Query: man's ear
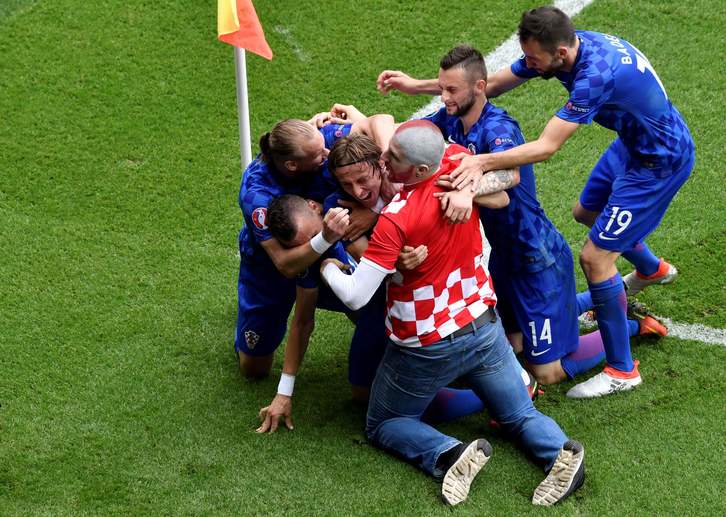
[290, 165]
[480, 85]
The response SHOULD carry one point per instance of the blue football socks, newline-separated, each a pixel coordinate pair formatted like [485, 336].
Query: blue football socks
[643, 259]
[610, 309]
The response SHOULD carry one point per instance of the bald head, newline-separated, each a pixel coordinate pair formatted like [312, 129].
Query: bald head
[420, 142]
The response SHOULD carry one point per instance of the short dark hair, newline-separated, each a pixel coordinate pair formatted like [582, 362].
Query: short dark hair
[281, 216]
[468, 58]
[548, 26]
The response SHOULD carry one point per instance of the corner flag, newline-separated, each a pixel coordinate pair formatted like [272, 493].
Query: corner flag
[238, 25]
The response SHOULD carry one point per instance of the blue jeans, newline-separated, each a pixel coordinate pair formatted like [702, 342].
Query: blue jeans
[408, 378]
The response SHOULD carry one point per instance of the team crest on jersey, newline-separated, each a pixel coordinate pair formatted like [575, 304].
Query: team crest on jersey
[251, 338]
[259, 218]
[472, 148]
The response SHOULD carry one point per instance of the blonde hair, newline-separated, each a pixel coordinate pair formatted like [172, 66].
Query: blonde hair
[285, 139]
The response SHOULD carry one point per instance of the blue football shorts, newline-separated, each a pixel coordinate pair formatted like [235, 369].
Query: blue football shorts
[630, 198]
[542, 306]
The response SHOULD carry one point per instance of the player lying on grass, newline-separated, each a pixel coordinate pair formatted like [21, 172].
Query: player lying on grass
[599, 71]
[442, 327]
[292, 160]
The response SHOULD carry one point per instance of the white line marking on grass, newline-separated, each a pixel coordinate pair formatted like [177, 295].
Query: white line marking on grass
[695, 332]
[687, 331]
[292, 42]
[507, 52]
[504, 55]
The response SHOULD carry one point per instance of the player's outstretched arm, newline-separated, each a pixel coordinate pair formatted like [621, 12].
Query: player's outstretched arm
[554, 135]
[396, 80]
[502, 81]
[301, 329]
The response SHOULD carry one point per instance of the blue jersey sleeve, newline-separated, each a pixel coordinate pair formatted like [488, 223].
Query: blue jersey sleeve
[254, 208]
[501, 137]
[334, 132]
[519, 68]
[439, 118]
[590, 91]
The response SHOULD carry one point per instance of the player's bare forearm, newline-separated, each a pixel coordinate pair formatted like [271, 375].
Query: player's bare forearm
[381, 128]
[290, 262]
[494, 201]
[497, 181]
[501, 82]
[301, 328]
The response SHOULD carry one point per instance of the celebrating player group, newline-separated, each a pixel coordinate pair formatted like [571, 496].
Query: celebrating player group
[386, 222]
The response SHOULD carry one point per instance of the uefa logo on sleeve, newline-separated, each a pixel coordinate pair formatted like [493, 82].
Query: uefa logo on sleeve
[259, 217]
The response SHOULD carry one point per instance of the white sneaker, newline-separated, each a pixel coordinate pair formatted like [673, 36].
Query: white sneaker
[634, 283]
[606, 382]
[565, 476]
[460, 475]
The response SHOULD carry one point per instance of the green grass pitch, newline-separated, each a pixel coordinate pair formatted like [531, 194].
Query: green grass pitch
[119, 171]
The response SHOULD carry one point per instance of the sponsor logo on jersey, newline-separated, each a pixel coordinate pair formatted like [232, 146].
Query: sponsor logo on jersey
[259, 217]
[577, 109]
[251, 338]
[500, 141]
[472, 148]
[451, 140]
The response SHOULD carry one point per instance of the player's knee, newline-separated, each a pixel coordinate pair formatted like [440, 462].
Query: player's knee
[547, 374]
[255, 367]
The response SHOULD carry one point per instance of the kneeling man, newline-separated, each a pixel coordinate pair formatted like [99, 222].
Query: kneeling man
[442, 326]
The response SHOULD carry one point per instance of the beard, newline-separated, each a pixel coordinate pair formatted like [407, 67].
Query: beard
[464, 108]
[555, 66]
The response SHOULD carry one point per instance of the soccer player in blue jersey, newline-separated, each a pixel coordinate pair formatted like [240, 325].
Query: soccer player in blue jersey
[612, 83]
[294, 221]
[292, 160]
[531, 263]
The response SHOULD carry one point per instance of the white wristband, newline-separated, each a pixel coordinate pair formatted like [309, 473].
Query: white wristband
[319, 244]
[286, 385]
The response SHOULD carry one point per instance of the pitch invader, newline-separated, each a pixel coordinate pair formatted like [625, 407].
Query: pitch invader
[612, 83]
[531, 263]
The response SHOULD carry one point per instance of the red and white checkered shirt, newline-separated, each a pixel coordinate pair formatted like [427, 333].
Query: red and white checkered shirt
[451, 288]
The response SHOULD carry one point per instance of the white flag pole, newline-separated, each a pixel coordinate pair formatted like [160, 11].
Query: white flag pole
[243, 108]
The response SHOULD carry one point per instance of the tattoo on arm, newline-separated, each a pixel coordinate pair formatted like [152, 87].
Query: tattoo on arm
[497, 181]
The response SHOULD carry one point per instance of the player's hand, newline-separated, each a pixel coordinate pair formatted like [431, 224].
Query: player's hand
[396, 80]
[280, 407]
[362, 219]
[348, 113]
[468, 173]
[324, 118]
[411, 258]
[456, 204]
[335, 224]
[337, 263]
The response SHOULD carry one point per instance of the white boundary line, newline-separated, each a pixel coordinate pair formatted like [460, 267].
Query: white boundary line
[504, 55]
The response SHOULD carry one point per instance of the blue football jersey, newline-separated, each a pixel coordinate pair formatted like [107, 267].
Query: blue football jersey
[261, 183]
[521, 235]
[614, 84]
